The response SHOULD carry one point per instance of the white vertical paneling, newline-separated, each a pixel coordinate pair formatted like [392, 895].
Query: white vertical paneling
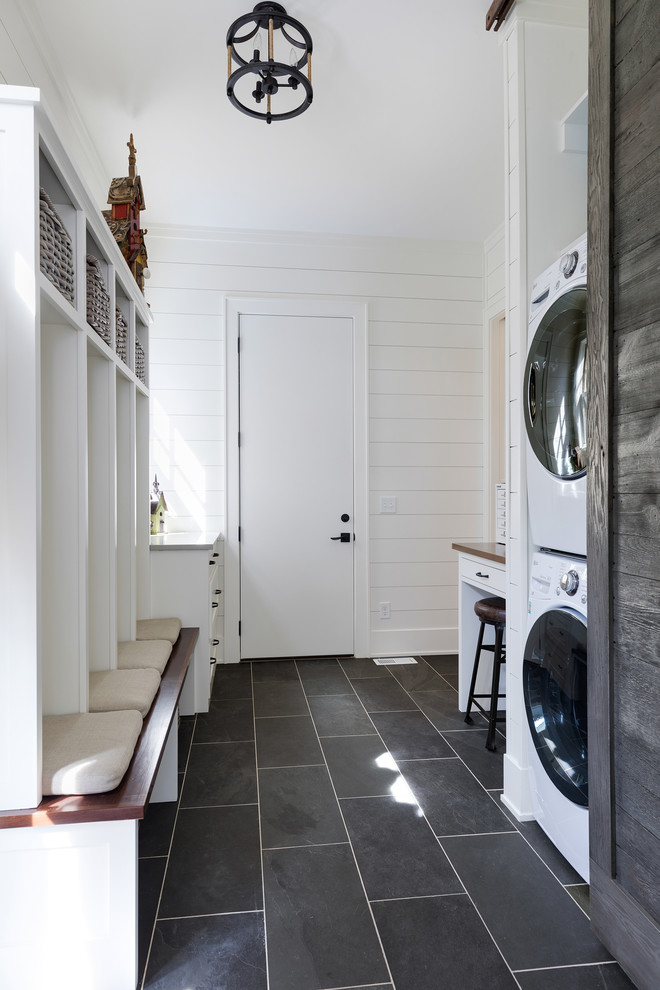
[426, 304]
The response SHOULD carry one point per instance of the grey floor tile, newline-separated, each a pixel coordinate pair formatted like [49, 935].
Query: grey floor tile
[383, 694]
[340, 715]
[150, 879]
[232, 681]
[287, 742]
[155, 829]
[357, 668]
[214, 865]
[360, 766]
[184, 739]
[323, 677]
[418, 677]
[606, 976]
[225, 952]
[320, 931]
[452, 800]
[410, 735]
[433, 943]
[444, 663]
[546, 849]
[284, 697]
[220, 773]
[580, 894]
[487, 766]
[441, 707]
[534, 921]
[225, 721]
[298, 807]
[396, 851]
[274, 672]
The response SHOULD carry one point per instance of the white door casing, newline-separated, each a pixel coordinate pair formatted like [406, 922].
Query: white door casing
[252, 313]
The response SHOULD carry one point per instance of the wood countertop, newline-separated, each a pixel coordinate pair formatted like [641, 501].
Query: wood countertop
[488, 551]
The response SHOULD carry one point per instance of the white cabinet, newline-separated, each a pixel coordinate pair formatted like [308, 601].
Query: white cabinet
[481, 574]
[187, 581]
[74, 422]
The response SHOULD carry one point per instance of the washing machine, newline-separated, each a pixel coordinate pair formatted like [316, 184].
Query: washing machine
[555, 404]
[555, 698]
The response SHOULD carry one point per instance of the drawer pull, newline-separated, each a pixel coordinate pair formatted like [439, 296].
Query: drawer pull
[214, 604]
[479, 574]
[216, 642]
[218, 591]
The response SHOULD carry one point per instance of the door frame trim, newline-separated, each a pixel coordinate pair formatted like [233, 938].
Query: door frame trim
[316, 306]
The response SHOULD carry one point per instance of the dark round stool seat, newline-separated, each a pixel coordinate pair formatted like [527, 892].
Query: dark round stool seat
[491, 610]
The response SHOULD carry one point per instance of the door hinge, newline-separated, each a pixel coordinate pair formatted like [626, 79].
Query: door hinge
[238, 344]
[239, 438]
[239, 627]
[239, 534]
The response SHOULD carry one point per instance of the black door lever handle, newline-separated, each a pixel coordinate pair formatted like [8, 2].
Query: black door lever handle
[343, 537]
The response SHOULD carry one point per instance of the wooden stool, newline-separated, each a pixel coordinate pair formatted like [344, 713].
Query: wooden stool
[491, 612]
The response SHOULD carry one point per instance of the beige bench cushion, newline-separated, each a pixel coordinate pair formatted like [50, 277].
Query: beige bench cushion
[87, 753]
[122, 690]
[148, 653]
[158, 629]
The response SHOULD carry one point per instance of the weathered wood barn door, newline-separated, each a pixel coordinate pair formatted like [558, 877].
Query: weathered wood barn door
[623, 319]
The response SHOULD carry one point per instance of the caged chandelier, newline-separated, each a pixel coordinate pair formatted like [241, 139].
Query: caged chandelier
[278, 81]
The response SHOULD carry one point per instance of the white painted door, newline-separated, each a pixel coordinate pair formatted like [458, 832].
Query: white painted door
[296, 482]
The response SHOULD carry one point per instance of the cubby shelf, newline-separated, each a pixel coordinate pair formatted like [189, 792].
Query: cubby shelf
[74, 572]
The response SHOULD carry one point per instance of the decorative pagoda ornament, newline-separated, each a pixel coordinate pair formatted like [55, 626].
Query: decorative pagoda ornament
[126, 200]
[158, 508]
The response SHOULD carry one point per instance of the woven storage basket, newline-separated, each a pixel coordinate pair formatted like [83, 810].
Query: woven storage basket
[139, 361]
[98, 300]
[55, 248]
[121, 335]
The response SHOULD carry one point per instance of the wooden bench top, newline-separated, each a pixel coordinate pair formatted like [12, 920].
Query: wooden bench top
[130, 799]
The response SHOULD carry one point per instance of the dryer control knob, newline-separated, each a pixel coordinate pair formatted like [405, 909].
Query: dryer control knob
[569, 582]
[568, 263]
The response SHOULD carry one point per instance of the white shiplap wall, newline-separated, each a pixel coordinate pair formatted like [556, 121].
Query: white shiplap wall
[426, 396]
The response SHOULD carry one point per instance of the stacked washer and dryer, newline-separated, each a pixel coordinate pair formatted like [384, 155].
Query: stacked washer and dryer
[555, 658]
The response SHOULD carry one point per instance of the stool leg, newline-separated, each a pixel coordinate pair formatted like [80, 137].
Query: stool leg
[475, 668]
[497, 666]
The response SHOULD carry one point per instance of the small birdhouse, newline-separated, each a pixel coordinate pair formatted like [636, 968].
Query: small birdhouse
[126, 201]
[158, 508]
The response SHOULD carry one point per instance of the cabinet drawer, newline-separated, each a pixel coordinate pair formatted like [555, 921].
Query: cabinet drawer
[484, 573]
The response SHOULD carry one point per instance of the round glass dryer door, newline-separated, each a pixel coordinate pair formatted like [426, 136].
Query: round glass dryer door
[556, 386]
[555, 693]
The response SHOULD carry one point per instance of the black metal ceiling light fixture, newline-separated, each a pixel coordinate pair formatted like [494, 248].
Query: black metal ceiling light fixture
[258, 65]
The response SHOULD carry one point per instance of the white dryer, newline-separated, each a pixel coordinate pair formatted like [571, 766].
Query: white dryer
[555, 404]
[555, 698]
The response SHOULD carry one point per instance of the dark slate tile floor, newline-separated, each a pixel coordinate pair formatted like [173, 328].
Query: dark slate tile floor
[339, 827]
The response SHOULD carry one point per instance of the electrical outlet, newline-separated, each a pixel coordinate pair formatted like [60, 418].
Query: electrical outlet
[388, 503]
[384, 610]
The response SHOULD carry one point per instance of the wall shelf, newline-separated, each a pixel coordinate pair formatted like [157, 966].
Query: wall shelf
[75, 533]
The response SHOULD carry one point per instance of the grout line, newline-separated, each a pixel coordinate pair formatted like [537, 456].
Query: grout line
[552, 969]
[291, 766]
[350, 843]
[169, 849]
[418, 897]
[261, 847]
[307, 845]
[214, 914]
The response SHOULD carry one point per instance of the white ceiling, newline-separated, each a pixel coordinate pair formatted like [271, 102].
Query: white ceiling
[404, 137]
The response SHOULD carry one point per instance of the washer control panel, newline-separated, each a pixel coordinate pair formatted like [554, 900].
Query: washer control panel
[571, 267]
[558, 578]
